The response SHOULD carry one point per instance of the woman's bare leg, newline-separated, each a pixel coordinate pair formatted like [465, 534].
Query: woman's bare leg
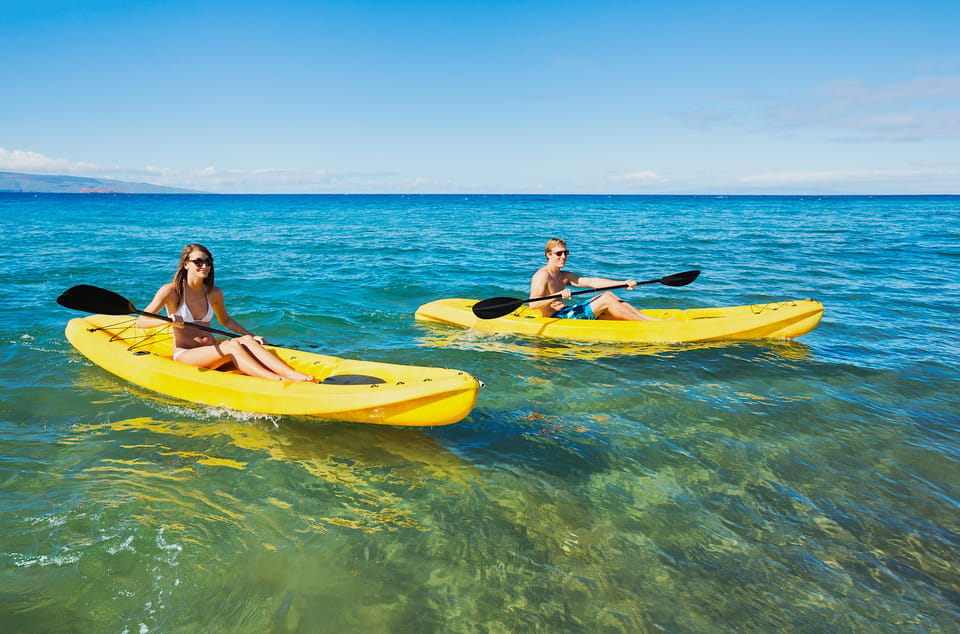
[250, 363]
[271, 361]
[216, 355]
[249, 357]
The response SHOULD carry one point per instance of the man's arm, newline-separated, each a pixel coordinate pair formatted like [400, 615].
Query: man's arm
[598, 282]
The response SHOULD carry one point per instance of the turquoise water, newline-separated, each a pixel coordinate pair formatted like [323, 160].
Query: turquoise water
[768, 486]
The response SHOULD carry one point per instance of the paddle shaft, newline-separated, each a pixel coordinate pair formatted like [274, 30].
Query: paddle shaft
[225, 333]
[500, 306]
[589, 290]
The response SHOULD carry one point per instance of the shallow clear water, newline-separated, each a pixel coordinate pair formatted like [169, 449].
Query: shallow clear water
[772, 486]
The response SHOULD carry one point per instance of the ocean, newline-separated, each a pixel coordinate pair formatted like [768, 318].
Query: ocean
[807, 485]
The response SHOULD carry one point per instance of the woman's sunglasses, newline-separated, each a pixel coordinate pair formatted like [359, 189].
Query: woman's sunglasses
[559, 253]
[198, 262]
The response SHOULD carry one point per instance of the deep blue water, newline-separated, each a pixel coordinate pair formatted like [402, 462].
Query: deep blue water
[764, 486]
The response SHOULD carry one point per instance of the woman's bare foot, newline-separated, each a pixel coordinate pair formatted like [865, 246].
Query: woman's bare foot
[300, 377]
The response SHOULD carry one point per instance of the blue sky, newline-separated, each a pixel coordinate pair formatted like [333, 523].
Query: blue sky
[486, 97]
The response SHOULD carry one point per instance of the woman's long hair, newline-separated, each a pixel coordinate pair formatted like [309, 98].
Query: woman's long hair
[180, 277]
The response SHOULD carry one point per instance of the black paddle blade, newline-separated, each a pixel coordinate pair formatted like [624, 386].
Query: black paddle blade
[680, 279]
[93, 299]
[496, 307]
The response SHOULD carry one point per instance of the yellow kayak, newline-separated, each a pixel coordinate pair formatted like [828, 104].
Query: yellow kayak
[347, 390]
[776, 320]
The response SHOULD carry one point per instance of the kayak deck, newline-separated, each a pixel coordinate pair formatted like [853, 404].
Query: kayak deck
[775, 320]
[346, 390]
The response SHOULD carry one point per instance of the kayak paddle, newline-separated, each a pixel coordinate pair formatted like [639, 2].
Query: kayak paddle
[500, 306]
[93, 299]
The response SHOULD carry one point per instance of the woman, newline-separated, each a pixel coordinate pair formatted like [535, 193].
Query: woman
[192, 298]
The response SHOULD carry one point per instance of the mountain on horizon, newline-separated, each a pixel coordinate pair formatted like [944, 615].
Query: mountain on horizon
[61, 184]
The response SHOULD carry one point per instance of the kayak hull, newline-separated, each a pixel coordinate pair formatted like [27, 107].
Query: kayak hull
[347, 390]
[776, 320]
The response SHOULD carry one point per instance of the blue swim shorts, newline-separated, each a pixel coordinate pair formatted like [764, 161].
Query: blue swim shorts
[580, 311]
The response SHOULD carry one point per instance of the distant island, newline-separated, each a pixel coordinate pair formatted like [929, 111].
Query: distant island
[60, 184]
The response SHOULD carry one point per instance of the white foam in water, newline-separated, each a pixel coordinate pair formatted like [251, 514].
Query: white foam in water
[43, 560]
[209, 412]
[167, 546]
[124, 546]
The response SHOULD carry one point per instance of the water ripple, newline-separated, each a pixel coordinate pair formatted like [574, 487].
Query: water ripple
[759, 486]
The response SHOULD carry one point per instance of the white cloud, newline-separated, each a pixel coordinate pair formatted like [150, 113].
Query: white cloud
[840, 176]
[920, 109]
[428, 183]
[266, 180]
[211, 179]
[856, 93]
[644, 177]
[36, 163]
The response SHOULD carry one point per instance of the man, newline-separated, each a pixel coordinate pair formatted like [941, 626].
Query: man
[552, 280]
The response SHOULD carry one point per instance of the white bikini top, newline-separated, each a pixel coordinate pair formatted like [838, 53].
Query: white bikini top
[184, 312]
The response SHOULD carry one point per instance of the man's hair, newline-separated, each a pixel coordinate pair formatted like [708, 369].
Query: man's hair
[553, 242]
